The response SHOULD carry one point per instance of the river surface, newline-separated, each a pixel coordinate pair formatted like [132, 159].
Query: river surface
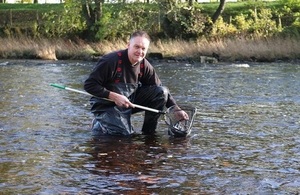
[245, 138]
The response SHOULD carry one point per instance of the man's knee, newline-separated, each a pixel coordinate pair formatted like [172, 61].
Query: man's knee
[163, 91]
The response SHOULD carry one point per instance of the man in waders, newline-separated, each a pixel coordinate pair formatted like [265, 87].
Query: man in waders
[126, 78]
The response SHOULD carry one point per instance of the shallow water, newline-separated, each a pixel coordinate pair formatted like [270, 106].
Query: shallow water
[245, 138]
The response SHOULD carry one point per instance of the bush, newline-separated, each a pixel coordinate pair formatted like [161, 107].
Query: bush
[184, 22]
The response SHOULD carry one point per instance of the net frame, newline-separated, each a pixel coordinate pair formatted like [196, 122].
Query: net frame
[178, 127]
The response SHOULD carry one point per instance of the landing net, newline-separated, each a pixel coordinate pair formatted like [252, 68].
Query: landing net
[177, 126]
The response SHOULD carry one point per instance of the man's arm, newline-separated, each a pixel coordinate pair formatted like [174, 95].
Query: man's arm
[120, 100]
[102, 73]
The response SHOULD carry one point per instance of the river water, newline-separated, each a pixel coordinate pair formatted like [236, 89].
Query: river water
[245, 138]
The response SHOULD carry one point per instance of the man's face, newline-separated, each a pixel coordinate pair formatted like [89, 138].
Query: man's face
[137, 49]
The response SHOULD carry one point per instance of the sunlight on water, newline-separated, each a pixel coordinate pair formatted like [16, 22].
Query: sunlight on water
[244, 140]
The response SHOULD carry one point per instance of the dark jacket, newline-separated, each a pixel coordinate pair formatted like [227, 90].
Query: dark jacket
[106, 69]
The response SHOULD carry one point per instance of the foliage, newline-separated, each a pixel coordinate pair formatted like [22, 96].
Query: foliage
[118, 23]
[262, 25]
[164, 19]
[66, 24]
[223, 29]
[289, 15]
[294, 4]
[294, 29]
[184, 22]
[242, 23]
[259, 23]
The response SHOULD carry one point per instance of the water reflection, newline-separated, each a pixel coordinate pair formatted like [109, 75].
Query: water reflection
[244, 141]
[135, 165]
[125, 165]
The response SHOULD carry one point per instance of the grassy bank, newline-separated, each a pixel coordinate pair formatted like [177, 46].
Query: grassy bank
[267, 50]
[15, 17]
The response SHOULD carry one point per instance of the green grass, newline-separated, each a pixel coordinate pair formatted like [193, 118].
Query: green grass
[26, 7]
[25, 15]
[231, 9]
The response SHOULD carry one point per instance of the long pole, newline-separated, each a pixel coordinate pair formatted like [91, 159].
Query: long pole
[86, 93]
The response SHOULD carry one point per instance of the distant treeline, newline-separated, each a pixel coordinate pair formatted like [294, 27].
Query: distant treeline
[163, 20]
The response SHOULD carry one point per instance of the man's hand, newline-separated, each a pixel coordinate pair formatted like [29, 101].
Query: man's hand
[120, 100]
[182, 115]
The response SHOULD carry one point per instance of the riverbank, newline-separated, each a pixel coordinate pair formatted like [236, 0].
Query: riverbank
[226, 50]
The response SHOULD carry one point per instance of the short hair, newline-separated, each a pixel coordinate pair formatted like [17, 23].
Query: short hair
[140, 33]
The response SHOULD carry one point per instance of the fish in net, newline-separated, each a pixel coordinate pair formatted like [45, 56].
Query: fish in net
[177, 126]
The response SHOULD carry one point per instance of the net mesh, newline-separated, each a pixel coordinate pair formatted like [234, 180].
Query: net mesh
[177, 126]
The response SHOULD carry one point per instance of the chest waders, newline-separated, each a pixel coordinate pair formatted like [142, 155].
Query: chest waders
[112, 119]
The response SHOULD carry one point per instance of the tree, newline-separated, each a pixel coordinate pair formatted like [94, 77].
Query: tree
[181, 21]
[92, 12]
[219, 11]
[209, 24]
